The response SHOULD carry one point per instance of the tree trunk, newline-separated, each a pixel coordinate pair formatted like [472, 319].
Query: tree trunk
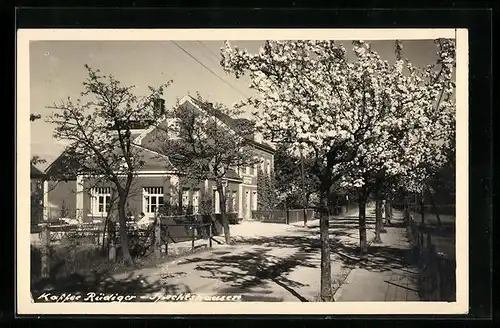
[225, 220]
[362, 222]
[326, 270]
[105, 240]
[422, 209]
[122, 219]
[388, 211]
[378, 221]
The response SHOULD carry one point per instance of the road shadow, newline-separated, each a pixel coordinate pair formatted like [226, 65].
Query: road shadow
[249, 271]
[344, 246]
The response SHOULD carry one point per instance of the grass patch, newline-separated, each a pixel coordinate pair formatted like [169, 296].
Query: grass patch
[85, 260]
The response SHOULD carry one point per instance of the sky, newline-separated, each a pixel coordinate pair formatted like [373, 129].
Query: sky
[57, 72]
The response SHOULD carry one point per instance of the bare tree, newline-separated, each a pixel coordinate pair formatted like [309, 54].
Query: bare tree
[210, 143]
[98, 126]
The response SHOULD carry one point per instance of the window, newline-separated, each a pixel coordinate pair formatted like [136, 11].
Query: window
[252, 170]
[268, 167]
[196, 201]
[101, 200]
[254, 201]
[173, 128]
[185, 197]
[229, 203]
[215, 199]
[153, 198]
[233, 200]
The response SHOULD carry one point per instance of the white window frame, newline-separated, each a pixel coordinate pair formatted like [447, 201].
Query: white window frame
[254, 200]
[215, 194]
[185, 197]
[173, 128]
[150, 193]
[196, 205]
[95, 203]
[268, 166]
[255, 168]
[233, 199]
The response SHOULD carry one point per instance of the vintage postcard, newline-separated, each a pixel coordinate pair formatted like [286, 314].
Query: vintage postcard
[212, 171]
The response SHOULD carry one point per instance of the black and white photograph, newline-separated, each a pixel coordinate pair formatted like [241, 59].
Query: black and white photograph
[174, 171]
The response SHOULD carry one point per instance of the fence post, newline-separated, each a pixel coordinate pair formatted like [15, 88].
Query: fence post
[157, 246]
[192, 237]
[305, 217]
[166, 240]
[44, 252]
[210, 235]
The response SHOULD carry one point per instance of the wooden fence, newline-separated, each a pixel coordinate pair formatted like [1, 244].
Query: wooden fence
[168, 233]
[162, 233]
[284, 216]
[56, 231]
[437, 279]
[442, 209]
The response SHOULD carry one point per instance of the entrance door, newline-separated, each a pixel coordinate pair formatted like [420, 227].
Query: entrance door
[248, 209]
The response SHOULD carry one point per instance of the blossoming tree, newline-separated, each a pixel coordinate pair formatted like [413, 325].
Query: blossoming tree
[98, 128]
[356, 117]
[305, 101]
[430, 118]
[210, 143]
[413, 126]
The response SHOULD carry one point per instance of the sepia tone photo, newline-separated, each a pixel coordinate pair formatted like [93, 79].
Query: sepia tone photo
[315, 169]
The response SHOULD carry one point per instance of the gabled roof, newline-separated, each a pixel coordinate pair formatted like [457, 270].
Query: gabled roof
[35, 172]
[226, 119]
[154, 160]
[233, 123]
[65, 165]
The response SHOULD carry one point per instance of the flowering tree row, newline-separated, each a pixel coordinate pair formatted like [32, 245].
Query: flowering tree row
[364, 119]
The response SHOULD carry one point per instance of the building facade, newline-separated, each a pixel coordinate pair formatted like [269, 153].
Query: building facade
[159, 182]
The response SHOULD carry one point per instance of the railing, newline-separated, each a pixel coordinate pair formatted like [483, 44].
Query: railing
[58, 230]
[442, 209]
[284, 216]
[161, 233]
[437, 280]
[177, 229]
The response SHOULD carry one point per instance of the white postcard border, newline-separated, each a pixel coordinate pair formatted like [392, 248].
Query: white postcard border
[23, 299]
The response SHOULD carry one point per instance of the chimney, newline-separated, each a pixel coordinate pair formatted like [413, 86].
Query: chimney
[159, 105]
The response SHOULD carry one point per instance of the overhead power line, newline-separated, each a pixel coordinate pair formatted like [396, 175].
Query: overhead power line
[217, 58]
[208, 69]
